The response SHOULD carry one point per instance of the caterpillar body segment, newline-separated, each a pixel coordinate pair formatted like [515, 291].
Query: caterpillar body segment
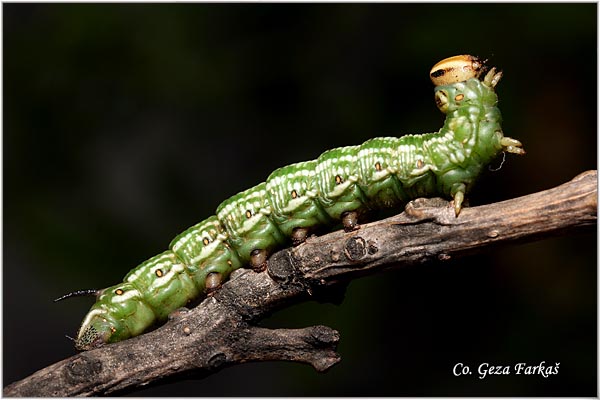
[293, 197]
[204, 250]
[377, 171]
[248, 222]
[339, 186]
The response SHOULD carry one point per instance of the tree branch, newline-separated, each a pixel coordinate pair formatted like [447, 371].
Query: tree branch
[220, 331]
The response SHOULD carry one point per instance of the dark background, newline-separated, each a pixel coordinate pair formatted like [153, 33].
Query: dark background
[126, 123]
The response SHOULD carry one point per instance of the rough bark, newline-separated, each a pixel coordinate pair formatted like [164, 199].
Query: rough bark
[220, 331]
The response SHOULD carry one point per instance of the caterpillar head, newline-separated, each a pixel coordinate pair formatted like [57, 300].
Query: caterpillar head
[115, 316]
[456, 69]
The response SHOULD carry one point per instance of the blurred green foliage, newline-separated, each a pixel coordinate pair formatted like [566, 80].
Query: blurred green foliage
[126, 123]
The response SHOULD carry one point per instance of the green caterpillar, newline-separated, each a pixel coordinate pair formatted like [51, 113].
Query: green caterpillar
[341, 185]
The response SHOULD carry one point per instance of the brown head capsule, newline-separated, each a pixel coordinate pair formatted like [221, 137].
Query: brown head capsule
[456, 69]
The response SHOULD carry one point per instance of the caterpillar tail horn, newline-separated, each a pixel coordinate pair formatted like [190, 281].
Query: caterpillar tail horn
[79, 293]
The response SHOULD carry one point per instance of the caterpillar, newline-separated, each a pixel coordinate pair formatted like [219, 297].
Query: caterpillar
[341, 185]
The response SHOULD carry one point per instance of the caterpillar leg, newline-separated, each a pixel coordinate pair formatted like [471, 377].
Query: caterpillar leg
[299, 235]
[178, 313]
[511, 145]
[350, 221]
[258, 259]
[213, 282]
[492, 78]
[459, 197]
